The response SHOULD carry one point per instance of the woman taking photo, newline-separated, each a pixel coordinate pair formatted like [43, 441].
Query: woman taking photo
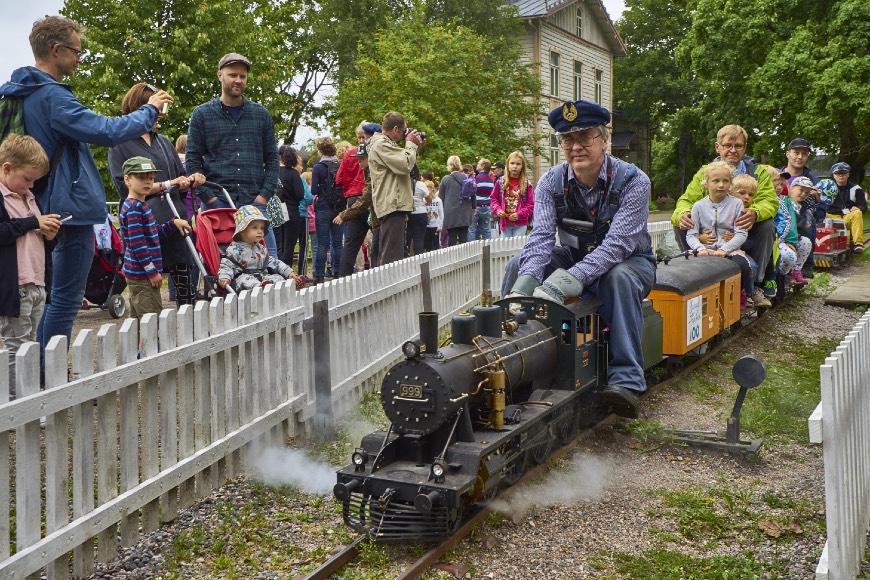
[177, 261]
[513, 198]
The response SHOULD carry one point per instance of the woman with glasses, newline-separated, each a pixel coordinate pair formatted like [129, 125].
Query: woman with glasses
[177, 261]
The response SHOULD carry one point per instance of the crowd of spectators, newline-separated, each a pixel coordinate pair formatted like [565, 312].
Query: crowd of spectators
[363, 205]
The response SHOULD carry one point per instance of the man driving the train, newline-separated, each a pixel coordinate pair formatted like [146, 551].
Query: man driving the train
[598, 207]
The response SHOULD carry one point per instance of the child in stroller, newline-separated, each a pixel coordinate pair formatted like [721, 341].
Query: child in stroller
[247, 263]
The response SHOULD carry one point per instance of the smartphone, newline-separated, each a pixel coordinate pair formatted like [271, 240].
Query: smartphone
[65, 217]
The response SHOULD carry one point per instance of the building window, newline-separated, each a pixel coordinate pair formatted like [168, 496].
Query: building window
[578, 80]
[554, 150]
[599, 83]
[554, 74]
[580, 23]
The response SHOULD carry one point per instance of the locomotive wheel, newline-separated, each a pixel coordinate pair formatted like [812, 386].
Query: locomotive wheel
[540, 453]
[516, 471]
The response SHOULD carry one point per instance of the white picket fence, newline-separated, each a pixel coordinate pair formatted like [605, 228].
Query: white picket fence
[159, 412]
[841, 422]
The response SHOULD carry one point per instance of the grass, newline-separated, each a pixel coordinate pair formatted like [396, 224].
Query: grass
[245, 533]
[663, 564]
[724, 517]
[651, 434]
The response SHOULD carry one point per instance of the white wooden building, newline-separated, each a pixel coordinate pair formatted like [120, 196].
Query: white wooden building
[573, 43]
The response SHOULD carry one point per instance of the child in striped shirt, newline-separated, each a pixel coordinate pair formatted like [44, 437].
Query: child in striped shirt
[143, 263]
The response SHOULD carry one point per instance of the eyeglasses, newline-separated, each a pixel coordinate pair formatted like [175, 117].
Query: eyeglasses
[582, 139]
[80, 53]
[732, 147]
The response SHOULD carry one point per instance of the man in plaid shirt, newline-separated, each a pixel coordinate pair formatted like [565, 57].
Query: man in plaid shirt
[611, 258]
[231, 141]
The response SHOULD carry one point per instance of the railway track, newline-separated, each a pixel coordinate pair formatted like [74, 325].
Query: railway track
[348, 554]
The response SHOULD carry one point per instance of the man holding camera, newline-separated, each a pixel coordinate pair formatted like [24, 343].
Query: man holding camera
[390, 167]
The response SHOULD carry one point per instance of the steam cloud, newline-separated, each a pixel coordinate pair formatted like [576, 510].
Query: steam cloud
[287, 466]
[586, 479]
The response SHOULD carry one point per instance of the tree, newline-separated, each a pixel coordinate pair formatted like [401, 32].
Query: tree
[447, 81]
[651, 87]
[176, 45]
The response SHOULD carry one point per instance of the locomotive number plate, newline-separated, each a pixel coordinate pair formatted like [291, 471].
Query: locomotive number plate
[411, 391]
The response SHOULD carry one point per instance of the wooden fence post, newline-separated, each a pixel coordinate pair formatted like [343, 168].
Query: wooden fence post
[323, 420]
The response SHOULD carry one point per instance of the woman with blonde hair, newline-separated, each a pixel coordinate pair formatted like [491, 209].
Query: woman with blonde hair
[457, 214]
[513, 197]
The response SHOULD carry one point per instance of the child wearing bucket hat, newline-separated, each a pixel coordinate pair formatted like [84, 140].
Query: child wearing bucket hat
[247, 263]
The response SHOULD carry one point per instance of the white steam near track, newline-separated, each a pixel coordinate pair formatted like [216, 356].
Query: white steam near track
[288, 466]
[586, 478]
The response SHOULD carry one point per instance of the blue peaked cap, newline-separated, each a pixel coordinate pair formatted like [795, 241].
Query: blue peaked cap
[577, 116]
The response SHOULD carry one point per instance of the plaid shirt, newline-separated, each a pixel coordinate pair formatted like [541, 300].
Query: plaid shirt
[627, 236]
[241, 156]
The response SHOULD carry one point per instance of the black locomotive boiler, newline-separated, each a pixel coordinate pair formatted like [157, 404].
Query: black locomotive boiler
[466, 419]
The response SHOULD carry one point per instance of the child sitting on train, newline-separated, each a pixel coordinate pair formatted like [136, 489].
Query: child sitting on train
[794, 249]
[714, 231]
[247, 262]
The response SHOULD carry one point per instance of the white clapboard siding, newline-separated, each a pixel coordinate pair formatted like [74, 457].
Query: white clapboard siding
[160, 411]
[841, 423]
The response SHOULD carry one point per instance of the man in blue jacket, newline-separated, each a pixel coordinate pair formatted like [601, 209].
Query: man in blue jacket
[64, 127]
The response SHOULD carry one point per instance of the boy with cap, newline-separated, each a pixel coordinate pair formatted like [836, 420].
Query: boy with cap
[849, 205]
[612, 260]
[143, 263]
[247, 262]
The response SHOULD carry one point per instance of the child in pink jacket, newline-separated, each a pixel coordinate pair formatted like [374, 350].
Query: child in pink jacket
[513, 198]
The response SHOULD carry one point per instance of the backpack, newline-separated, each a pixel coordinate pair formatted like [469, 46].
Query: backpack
[12, 121]
[333, 194]
[469, 189]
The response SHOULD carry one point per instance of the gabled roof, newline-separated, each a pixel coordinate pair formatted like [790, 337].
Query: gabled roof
[543, 8]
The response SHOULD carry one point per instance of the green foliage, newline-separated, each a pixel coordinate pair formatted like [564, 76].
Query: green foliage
[447, 81]
[673, 565]
[779, 68]
[176, 45]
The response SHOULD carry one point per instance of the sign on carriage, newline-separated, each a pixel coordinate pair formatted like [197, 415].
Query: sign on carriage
[693, 319]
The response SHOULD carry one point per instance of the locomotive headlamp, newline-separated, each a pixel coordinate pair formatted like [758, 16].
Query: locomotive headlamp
[438, 470]
[359, 458]
[410, 349]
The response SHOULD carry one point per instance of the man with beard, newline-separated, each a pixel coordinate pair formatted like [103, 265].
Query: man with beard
[231, 141]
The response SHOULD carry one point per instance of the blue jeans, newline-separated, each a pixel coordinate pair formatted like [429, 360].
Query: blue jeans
[480, 224]
[329, 238]
[510, 231]
[71, 262]
[621, 292]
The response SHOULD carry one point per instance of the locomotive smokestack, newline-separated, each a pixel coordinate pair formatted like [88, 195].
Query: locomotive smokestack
[429, 331]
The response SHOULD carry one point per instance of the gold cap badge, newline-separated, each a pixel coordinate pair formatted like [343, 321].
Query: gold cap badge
[569, 112]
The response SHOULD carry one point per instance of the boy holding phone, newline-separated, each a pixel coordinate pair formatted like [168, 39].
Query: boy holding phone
[23, 231]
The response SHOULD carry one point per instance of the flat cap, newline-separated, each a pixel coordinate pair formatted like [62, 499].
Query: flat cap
[234, 58]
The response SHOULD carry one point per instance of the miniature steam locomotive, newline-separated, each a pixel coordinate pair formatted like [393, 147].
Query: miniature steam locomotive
[518, 379]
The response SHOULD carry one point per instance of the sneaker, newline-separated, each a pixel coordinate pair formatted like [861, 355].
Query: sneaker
[759, 299]
[858, 249]
[798, 278]
[769, 288]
